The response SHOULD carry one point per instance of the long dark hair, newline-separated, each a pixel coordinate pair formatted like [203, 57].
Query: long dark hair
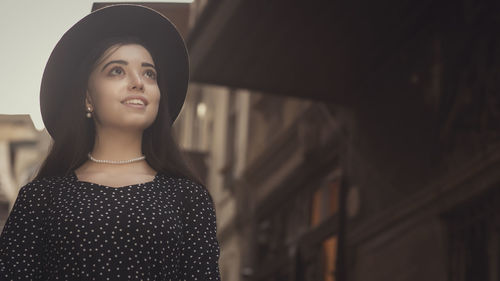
[77, 133]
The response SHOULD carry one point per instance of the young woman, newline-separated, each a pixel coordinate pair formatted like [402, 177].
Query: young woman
[114, 199]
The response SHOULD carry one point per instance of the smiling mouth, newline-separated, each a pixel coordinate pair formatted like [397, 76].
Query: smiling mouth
[134, 105]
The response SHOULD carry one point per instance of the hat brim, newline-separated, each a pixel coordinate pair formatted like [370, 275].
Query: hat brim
[115, 20]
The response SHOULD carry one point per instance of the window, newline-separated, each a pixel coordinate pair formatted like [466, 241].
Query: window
[473, 239]
[319, 260]
[328, 258]
[325, 202]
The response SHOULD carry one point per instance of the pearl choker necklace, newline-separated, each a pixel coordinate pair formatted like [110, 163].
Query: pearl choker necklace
[116, 161]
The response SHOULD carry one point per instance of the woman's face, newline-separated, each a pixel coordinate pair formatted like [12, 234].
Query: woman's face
[126, 71]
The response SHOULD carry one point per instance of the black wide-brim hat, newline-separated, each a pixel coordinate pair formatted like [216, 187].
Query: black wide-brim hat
[160, 34]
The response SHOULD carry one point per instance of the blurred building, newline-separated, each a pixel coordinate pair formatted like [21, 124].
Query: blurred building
[261, 153]
[22, 149]
[387, 169]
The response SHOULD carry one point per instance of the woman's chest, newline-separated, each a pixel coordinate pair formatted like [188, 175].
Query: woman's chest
[115, 218]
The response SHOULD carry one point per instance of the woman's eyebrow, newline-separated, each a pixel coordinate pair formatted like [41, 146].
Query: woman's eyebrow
[125, 63]
[148, 64]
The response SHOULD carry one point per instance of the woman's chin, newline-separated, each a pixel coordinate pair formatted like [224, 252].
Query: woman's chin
[134, 124]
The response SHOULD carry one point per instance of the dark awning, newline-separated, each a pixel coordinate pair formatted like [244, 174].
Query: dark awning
[311, 49]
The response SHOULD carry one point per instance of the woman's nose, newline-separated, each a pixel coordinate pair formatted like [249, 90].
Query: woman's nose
[136, 82]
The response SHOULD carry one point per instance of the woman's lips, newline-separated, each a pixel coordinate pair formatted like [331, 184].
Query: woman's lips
[134, 105]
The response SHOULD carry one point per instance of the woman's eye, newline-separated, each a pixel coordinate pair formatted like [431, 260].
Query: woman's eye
[151, 74]
[116, 70]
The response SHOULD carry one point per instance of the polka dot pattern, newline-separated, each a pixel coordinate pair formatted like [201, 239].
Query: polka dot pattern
[61, 228]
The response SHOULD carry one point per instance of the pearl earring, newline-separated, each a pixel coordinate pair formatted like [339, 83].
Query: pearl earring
[89, 113]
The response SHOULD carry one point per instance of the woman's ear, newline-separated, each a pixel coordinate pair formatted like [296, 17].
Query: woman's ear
[88, 99]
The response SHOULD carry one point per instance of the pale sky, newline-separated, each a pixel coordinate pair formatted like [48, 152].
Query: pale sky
[29, 30]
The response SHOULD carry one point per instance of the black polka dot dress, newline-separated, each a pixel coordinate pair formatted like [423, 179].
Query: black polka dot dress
[61, 228]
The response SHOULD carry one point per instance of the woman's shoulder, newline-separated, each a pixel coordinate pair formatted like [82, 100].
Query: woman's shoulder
[37, 191]
[185, 184]
[41, 184]
[192, 191]
[35, 184]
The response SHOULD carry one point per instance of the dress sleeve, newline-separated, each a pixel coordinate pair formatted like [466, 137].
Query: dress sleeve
[199, 247]
[22, 239]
